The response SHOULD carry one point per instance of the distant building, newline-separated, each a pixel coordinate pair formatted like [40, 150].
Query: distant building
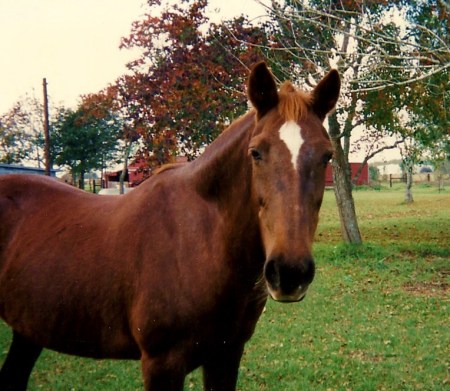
[136, 173]
[363, 179]
[18, 169]
[391, 167]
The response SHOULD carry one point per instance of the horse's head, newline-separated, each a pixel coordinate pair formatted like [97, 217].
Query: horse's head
[289, 150]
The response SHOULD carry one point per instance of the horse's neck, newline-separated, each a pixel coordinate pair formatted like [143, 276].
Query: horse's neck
[222, 175]
[223, 171]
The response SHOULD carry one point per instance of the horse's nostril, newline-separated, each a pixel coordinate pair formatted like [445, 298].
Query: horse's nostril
[289, 277]
[310, 271]
[271, 273]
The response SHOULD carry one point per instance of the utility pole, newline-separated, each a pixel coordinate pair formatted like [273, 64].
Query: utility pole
[46, 131]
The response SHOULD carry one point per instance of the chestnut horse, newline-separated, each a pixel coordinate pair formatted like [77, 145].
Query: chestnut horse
[177, 272]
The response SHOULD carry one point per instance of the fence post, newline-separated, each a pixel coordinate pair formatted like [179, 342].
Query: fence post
[390, 180]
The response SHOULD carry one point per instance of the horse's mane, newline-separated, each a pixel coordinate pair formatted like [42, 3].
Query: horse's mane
[167, 167]
[293, 104]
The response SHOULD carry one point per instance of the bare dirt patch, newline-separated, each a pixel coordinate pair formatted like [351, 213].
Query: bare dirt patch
[432, 288]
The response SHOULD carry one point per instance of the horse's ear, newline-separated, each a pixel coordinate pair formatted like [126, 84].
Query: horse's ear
[326, 93]
[262, 89]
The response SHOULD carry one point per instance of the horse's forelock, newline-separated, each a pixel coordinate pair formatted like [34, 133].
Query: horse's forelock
[293, 104]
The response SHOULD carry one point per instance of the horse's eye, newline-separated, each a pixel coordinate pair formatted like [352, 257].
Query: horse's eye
[326, 158]
[256, 155]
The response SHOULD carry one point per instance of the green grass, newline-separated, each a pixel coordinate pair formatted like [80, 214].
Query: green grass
[376, 317]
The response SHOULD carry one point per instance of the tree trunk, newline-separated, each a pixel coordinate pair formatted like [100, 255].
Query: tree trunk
[409, 181]
[125, 167]
[81, 184]
[343, 187]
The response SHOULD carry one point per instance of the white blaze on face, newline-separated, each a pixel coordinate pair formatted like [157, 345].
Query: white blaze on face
[290, 133]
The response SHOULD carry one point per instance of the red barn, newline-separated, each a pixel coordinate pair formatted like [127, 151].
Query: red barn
[136, 172]
[362, 180]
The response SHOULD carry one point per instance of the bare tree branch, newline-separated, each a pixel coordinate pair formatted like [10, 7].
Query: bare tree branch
[374, 153]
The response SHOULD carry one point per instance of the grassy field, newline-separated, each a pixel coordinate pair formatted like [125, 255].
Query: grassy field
[377, 316]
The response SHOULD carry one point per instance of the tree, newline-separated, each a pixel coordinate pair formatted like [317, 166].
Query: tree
[13, 139]
[428, 99]
[185, 87]
[425, 100]
[380, 58]
[108, 105]
[87, 138]
[22, 131]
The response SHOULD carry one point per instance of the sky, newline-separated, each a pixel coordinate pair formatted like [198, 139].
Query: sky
[74, 44]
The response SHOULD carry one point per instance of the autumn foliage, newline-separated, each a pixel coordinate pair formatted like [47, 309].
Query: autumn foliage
[185, 86]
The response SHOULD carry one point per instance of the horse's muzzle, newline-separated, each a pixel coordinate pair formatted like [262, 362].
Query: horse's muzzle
[288, 281]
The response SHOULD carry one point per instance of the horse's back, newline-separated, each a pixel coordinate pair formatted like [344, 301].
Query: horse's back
[28, 204]
[20, 191]
[21, 186]
[15, 192]
[36, 209]
[22, 197]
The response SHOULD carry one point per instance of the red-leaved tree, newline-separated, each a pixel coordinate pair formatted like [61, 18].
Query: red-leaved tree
[185, 86]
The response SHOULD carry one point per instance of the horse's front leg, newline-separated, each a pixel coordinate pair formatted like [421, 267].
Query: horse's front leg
[163, 373]
[19, 363]
[220, 371]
